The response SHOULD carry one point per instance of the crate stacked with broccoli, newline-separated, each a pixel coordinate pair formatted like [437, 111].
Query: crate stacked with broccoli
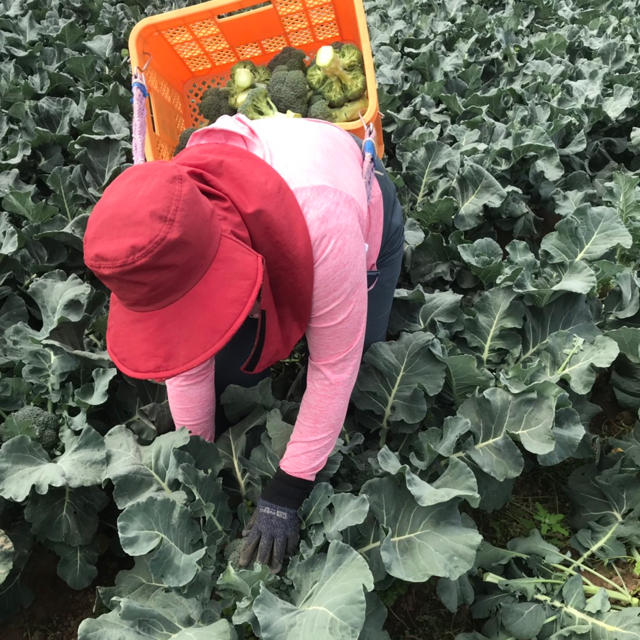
[333, 87]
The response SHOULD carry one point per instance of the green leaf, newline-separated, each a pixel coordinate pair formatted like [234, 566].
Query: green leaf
[77, 565]
[102, 159]
[457, 481]
[60, 298]
[569, 313]
[628, 340]
[490, 327]
[328, 601]
[166, 616]
[96, 393]
[419, 311]
[495, 417]
[464, 377]
[566, 356]
[209, 501]
[568, 432]
[475, 188]
[484, 257]
[523, 620]
[587, 234]
[424, 165]
[140, 471]
[24, 465]
[420, 542]
[8, 236]
[84, 460]
[66, 515]
[346, 511]
[395, 377]
[621, 100]
[455, 593]
[160, 526]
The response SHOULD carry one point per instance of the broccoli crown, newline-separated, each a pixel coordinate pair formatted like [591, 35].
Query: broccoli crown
[338, 74]
[289, 57]
[262, 75]
[258, 105]
[333, 91]
[215, 103]
[320, 109]
[184, 138]
[242, 76]
[35, 423]
[350, 57]
[289, 90]
[315, 77]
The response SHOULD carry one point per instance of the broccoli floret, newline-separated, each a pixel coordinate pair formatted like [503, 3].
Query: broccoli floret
[350, 110]
[237, 100]
[315, 77]
[262, 75]
[215, 103]
[258, 105]
[242, 76]
[338, 75]
[350, 56]
[39, 425]
[333, 91]
[289, 57]
[289, 90]
[319, 109]
[184, 138]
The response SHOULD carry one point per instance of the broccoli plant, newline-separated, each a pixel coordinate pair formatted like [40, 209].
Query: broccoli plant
[39, 425]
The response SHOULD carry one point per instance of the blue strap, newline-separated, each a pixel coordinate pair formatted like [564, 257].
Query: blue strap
[369, 147]
[141, 86]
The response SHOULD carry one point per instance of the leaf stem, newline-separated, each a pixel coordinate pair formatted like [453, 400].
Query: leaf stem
[373, 545]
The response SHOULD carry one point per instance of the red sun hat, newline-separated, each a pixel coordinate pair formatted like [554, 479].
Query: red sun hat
[157, 243]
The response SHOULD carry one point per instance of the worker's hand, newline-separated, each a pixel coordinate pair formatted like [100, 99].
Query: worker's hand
[272, 533]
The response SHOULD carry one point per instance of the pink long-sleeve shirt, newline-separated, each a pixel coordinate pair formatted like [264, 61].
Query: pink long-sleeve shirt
[323, 167]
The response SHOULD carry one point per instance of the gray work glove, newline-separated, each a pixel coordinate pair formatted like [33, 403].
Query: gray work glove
[273, 532]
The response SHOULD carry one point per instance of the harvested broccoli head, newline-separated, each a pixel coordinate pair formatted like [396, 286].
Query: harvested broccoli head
[315, 77]
[289, 90]
[350, 57]
[333, 91]
[237, 99]
[35, 423]
[356, 85]
[183, 140]
[337, 83]
[258, 105]
[215, 103]
[262, 75]
[242, 76]
[290, 58]
[319, 109]
[351, 110]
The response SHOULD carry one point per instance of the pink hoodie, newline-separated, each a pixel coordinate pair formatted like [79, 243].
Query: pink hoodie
[323, 167]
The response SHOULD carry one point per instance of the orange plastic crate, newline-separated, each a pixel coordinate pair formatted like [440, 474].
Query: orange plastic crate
[184, 52]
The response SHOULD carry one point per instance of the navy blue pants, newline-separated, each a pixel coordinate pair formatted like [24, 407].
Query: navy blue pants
[380, 298]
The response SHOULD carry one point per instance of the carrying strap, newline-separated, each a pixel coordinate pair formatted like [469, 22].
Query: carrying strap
[139, 125]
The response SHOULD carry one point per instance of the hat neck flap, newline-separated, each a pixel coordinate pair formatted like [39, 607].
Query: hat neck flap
[266, 216]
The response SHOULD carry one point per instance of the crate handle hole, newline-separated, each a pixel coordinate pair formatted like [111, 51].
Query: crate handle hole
[252, 7]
